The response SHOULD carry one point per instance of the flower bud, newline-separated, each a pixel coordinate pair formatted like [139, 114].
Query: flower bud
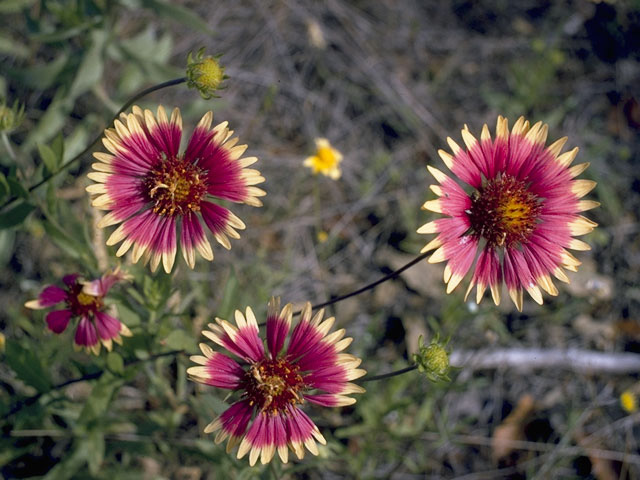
[204, 73]
[10, 117]
[432, 360]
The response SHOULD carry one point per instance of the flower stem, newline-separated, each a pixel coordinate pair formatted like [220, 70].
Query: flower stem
[391, 275]
[70, 162]
[389, 375]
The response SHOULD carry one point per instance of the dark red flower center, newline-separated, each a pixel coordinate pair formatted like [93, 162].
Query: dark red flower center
[82, 304]
[175, 187]
[271, 385]
[504, 212]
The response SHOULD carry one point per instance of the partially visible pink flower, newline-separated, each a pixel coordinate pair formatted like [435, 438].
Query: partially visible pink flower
[154, 191]
[84, 300]
[513, 214]
[273, 383]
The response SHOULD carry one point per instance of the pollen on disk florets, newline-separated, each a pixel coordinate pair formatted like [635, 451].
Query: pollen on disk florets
[271, 385]
[175, 187]
[504, 212]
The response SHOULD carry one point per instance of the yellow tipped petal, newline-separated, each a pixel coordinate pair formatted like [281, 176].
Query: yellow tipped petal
[581, 187]
[560, 275]
[581, 226]
[431, 227]
[576, 244]
[435, 243]
[485, 135]
[516, 297]
[578, 169]
[117, 236]
[469, 140]
[566, 158]
[556, 147]
[433, 205]
[584, 205]
[502, 128]
[455, 148]
[535, 293]
[447, 158]
[454, 282]
[495, 294]
[520, 127]
[437, 256]
[437, 189]
[437, 174]
[547, 284]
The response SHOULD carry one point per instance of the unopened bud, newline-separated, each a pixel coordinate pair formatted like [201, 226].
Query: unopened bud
[204, 73]
[10, 117]
[433, 360]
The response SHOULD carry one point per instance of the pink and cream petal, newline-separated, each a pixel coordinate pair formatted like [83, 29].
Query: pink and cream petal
[58, 320]
[86, 335]
[278, 325]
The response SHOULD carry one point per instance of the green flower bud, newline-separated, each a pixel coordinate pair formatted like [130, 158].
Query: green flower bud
[10, 117]
[433, 360]
[204, 73]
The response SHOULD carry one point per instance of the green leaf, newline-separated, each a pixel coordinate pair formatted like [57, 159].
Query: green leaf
[27, 366]
[41, 77]
[229, 296]
[174, 11]
[51, 122]
[95, 451]
[49, 157]
[71, 463]
[17, 189]
[115, 363]
[64, 34]
[64, 240]
[15, 215]
[58, 146]
[9, 46]
[5, 189]
[156, 290]
[100, 398]
[15, 6]
[92, 66]
[181, 340]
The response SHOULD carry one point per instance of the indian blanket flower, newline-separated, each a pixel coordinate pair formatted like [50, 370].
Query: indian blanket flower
[326, 160]
[152, 190]
[272, 383]
[84, 300]
[516, 216]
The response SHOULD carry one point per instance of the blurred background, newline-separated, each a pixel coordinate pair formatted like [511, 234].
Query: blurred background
[386, 82]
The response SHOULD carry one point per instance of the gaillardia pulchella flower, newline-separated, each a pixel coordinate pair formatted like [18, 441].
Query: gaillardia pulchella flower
[84, 300]
[271, 384]
[151, 189]
[326, 160]
[520, 209]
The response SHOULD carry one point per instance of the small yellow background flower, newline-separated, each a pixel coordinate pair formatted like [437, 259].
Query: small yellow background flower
[326, 160]
[628, 402]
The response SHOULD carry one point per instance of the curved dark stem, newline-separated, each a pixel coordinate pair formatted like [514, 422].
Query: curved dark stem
[19, 405]
[394, 274]
[70, 162]
[389, 375]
